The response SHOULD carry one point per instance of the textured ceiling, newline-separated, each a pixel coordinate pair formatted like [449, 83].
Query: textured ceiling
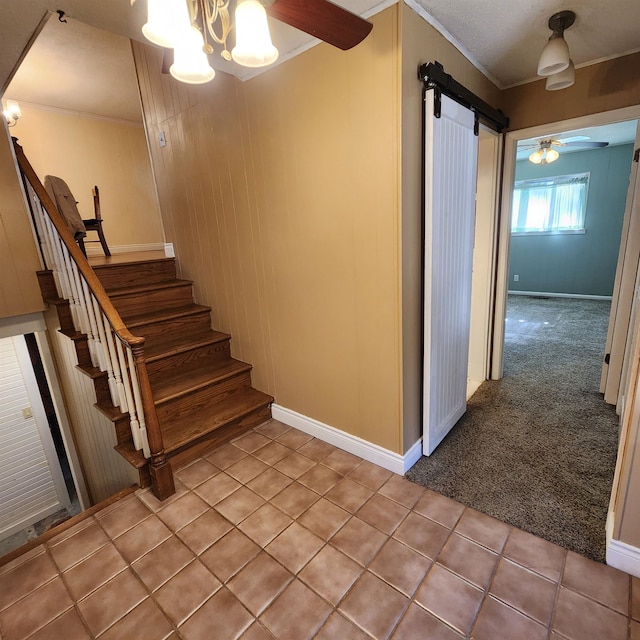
[74, 63]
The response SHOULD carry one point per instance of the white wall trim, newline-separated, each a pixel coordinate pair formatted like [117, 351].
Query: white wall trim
[19, 325]
[623, 556]
[546, 294]
[127, 248]
[353, 444]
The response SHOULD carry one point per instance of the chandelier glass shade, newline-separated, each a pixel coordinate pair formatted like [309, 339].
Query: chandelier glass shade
[190, 63]
[253, 40]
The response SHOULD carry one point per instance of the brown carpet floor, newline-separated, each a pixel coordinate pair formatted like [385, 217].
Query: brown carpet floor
[537, 449]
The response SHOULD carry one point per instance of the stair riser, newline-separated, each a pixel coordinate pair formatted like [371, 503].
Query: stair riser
[191, 323]
[207, 397]
[150, 301]
[83, 355]
[47, 285]
[217, 352]
[228, 432]
[128, 275]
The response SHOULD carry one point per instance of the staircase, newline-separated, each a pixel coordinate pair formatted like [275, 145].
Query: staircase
[203, 396]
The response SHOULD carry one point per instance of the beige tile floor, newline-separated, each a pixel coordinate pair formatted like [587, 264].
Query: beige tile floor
[279, 535]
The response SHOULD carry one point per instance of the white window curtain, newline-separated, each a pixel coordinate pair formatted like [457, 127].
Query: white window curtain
[547, 205]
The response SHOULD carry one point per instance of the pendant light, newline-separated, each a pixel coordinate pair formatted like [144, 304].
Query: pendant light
[555, 55]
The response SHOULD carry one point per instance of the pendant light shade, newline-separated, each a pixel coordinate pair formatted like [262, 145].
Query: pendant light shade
[561, 80]
[253, 40]
[160, 25]
[190, 63]
[554, 57]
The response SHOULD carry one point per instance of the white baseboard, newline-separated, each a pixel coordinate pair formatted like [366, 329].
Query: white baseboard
[353, 444]
[126, 248]
[546, 294]
[623, 556]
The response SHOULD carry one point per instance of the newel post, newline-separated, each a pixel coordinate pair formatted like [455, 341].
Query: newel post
[162, 483]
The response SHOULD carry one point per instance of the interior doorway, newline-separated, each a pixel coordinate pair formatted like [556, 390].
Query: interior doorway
[569, 128]
[36, 482]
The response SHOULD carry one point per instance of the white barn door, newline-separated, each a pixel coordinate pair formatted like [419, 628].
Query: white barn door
[451, 157]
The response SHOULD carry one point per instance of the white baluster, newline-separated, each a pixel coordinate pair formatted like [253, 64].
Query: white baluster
[113, 358]
[133, 418]
[38, 218]
[56, 261]
[97, 318]
[138, 400]
[83, 323]
[86, 306]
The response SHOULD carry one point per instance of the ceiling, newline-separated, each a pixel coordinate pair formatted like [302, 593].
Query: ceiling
[504, 42]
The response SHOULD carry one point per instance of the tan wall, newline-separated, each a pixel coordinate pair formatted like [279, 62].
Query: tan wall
[86, 151]
[613, 84]
[19, 291]
[421, 43]
[281, 196]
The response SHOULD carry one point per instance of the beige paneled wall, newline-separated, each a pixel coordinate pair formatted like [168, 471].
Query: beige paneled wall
[281, 196]
[85, 151]
[421, 43]
[606, 86]
[19, 291]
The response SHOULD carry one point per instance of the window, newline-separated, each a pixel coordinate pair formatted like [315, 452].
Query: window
[550, 205]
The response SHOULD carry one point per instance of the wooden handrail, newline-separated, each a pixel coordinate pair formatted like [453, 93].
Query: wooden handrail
[160, 470]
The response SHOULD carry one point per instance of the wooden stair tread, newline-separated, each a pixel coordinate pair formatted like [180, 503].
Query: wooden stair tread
[172, 344]
[193, 376]
[139, 319]
[199, 423]
[174, 283]
[121, 259]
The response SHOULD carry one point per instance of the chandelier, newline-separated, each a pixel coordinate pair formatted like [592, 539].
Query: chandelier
[190, 26]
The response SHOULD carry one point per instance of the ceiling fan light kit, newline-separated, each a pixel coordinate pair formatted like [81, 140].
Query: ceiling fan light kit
[187, 26]
[555, 57]
[544, 155]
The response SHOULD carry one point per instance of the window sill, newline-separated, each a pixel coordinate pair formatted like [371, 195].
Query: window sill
[562, 232]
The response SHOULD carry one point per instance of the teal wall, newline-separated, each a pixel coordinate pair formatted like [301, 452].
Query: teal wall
[577, 263]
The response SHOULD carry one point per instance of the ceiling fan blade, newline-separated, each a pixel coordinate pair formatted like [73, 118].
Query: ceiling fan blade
[322, 19]
[586, 145]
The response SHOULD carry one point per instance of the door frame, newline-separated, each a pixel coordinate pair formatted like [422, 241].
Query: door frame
[504, 232]
[35, 323]
[484, 256]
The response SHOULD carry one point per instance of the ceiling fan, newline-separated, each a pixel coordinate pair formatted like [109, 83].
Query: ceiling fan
[545, 151]
[211, 20]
